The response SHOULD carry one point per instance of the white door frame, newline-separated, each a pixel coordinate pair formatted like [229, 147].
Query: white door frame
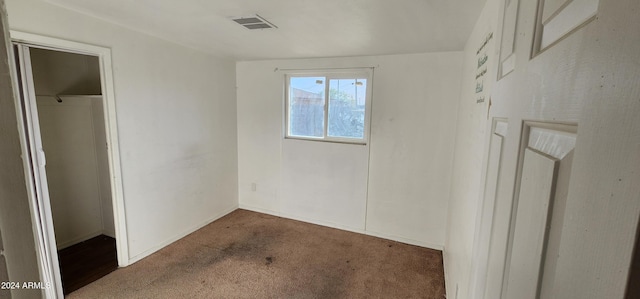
[42, 218]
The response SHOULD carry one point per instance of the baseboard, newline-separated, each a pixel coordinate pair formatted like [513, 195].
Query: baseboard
[404, 240]
[302, 219]
[342, 227]
[446, 273]
[182, 235]
[77, 240]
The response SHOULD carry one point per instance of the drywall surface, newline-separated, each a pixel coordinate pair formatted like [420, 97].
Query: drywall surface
[74, 139]
[325, 181]
[15, 218]
[470, 146]
[397, 185]
[67, 132]
[61, 73]
[102, 160]
[588, 78]
[176, 115]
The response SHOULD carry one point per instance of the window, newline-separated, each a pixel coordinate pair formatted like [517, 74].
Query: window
[328, 106]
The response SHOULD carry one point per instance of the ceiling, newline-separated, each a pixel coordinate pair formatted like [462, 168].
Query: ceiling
[322, 28]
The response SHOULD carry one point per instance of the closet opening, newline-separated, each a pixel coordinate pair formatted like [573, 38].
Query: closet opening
[71, 142]
[72, 128]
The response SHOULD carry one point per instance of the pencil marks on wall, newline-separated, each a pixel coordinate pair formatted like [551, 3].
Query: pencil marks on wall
[482, 54]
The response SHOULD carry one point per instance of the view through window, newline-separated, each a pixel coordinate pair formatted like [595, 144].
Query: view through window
[328, 107]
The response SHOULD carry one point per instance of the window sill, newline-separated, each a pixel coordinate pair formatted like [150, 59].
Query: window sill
[332, 140]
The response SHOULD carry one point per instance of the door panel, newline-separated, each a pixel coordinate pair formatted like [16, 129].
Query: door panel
[538, 210]
[507, 43]
[485, 223]
[551, 8]
[535, 198]
[558, 18]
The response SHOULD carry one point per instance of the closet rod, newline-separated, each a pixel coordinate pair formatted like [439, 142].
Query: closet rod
[51, 95]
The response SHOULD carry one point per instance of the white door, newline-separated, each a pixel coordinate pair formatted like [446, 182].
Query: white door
[46, 249]
[566, 205]
[484, 223]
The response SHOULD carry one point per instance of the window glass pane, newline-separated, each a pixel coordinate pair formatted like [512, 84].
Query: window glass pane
[347, 99]
[306, 106]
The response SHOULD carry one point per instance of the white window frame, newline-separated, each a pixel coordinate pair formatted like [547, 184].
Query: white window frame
[331, 74]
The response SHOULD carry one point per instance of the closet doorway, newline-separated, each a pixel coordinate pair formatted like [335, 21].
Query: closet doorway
[71, 139]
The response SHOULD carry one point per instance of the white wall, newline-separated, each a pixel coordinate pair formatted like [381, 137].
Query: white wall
[100, 135]
[324, 182]
[68, 139]
[74, 140]
[400, 188]
[176, 119]
[61, 73]
[466, 184]
[586, 79]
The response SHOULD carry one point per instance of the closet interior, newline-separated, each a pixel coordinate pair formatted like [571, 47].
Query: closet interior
[73, 132]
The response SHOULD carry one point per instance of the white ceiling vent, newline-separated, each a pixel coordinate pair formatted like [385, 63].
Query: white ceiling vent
[254, 22]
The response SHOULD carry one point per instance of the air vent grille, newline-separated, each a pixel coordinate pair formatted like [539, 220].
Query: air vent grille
[254, 22]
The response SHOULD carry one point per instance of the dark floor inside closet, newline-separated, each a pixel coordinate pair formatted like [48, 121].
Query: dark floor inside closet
[86, 262]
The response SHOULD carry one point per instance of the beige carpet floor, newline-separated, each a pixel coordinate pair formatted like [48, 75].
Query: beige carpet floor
[252, 255]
